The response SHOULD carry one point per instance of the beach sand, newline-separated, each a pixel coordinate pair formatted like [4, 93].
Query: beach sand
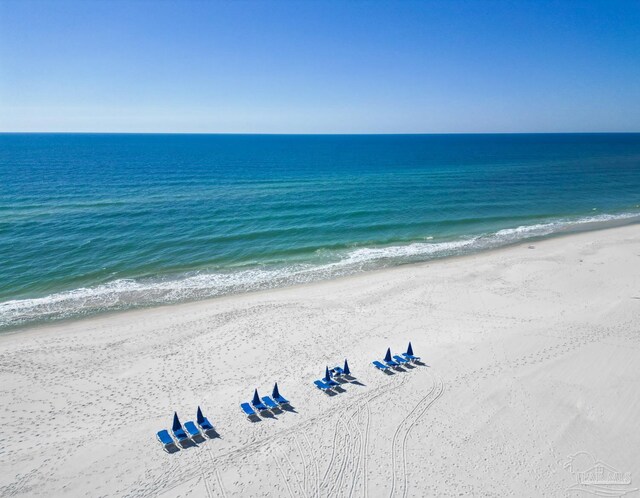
[531, 375]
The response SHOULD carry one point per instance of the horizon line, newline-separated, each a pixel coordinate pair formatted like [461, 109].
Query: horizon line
[319, 133]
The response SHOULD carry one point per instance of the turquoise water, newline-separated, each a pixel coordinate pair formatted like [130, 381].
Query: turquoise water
[92, 223]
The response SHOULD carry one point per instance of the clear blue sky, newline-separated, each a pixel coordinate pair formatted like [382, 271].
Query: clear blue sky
[344, 66]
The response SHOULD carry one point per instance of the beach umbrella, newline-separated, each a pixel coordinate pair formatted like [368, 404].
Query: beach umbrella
[410, 350]
[387, 357]
[256, 398]
[176, 422]
[327, 375]
[275, 393]
[346, 367]
[200, 417]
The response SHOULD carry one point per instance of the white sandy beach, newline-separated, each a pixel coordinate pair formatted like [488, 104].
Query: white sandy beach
[532, 353]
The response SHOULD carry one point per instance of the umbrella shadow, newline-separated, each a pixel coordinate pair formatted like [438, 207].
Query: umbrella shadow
[212, 434]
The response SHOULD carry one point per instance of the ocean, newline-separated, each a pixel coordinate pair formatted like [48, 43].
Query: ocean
[92, 223]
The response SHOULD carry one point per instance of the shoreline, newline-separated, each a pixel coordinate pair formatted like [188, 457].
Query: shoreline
[531, 358]
[570, 232]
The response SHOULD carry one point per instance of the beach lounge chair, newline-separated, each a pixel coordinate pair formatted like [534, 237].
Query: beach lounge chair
[380, 366]
[400, 359]
[337, 371]
[388, 361]
[322, 386]
[409, 354]
[269, 402]
[203, 422]
[165, 438]
[246, 408]
[257, 404]
[192, 429]
[276, 395]
[178, 431]
[327, 378]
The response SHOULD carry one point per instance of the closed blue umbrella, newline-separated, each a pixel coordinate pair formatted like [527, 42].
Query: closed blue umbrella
[176, 422]
[410, 350]
[200, 416]
[387, 357]
[327, 375]
[346, 367]
[275, 394]
[256, 398]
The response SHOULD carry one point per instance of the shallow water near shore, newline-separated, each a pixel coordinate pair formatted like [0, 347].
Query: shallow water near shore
[94, 223]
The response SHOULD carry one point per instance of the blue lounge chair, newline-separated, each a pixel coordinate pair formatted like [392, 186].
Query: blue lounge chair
[409, 354]
[387, 359]
[246, 408]
[400, 359]
[192, 429]
[165, 438]
[203, 422]
[257, 404]
[337, 371]
[322, 386]
[327, 378]
[269, 402]
[380, 366]
[276, 395]
[178, 431]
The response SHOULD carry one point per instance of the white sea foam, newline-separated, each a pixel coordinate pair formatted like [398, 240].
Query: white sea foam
[128, 293]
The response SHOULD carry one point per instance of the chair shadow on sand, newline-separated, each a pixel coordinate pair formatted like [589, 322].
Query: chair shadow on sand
[188, 443]
[171, 448]
[199, 439]
[254, 418]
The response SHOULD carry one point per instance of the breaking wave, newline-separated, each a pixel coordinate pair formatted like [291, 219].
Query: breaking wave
[133, 293]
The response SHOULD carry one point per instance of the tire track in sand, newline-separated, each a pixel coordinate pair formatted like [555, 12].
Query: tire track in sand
[399, 443]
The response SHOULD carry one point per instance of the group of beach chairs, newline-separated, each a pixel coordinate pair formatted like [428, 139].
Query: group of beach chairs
[396, 361]
[266, 404]
[189, 432]
[327, 383]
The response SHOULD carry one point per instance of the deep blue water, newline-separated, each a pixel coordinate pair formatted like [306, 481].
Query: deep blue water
[92, 222]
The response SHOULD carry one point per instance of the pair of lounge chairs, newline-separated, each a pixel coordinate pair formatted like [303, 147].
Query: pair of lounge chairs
[341, 371]
[396, 360]
[327, 383]
[264, 404]
[182, 434]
